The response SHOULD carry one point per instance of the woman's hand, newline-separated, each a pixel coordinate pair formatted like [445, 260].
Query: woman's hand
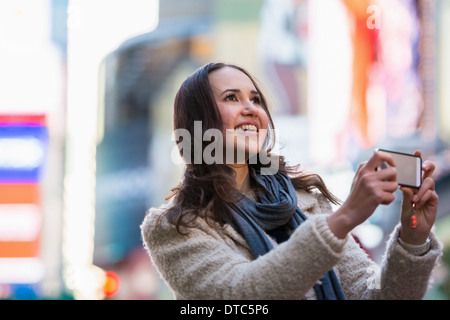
[370, 188]
[426, 201]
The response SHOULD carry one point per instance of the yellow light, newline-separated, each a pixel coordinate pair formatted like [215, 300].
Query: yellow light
[112, 284]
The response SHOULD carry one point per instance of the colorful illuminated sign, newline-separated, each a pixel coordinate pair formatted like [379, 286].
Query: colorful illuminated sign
[23, 146]
[23, 149]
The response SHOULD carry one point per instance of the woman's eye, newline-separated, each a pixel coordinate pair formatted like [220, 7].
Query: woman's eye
[231, 97]
[256, 100]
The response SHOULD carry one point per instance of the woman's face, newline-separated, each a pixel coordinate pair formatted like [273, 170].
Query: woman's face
[245, 121]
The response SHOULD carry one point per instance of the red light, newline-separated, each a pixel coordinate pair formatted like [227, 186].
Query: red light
[112, 284]
[28, 119]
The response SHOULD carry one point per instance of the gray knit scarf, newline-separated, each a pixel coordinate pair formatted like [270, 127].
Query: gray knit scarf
[277, 214]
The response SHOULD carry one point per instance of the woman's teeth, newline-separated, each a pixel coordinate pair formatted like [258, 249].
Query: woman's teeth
[247, 127]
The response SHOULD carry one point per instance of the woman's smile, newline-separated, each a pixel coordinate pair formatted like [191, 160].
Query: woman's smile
[247, 128]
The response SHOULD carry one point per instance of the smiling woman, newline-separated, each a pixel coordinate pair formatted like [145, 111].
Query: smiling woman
[225, 98]
[231, 231]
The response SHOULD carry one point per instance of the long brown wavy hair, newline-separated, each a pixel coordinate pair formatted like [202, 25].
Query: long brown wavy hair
[210, 187]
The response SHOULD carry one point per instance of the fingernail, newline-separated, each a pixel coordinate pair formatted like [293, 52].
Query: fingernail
[415, 198]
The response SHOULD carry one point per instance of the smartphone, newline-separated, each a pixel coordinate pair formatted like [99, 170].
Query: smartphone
[409, 168]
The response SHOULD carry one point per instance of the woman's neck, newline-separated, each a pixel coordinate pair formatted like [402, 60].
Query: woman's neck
[242, 177]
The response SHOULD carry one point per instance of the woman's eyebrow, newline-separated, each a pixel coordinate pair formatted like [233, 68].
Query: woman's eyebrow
[238, 91]
[231, 90]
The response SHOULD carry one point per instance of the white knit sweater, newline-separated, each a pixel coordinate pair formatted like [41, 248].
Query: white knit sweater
[210, 263]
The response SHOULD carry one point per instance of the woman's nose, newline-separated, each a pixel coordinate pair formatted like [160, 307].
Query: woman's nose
[249, 109]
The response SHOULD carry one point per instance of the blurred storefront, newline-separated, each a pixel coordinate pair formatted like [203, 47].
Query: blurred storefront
[32, 61]
[343, 77]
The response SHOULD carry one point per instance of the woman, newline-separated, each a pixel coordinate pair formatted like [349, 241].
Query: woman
[231, 232]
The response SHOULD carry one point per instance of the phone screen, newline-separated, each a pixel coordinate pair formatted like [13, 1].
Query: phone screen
[409, 168]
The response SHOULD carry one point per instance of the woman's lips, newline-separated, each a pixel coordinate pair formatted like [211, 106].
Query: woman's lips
[247, 127]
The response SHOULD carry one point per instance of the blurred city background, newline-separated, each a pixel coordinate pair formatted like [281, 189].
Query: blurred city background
[86, 98]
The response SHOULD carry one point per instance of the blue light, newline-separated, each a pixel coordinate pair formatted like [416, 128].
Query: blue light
[23, 150]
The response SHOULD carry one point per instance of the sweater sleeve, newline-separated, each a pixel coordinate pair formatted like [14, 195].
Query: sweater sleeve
[405, 275]
[202, 265]
[402, 275]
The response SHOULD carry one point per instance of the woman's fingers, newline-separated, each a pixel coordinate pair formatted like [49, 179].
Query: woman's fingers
[377, 158]
[387, 197]
[427, 184]
[427, 196]
[383, 183]
[423, 194]
[428, 169]
[428, 166]
[388, 174]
